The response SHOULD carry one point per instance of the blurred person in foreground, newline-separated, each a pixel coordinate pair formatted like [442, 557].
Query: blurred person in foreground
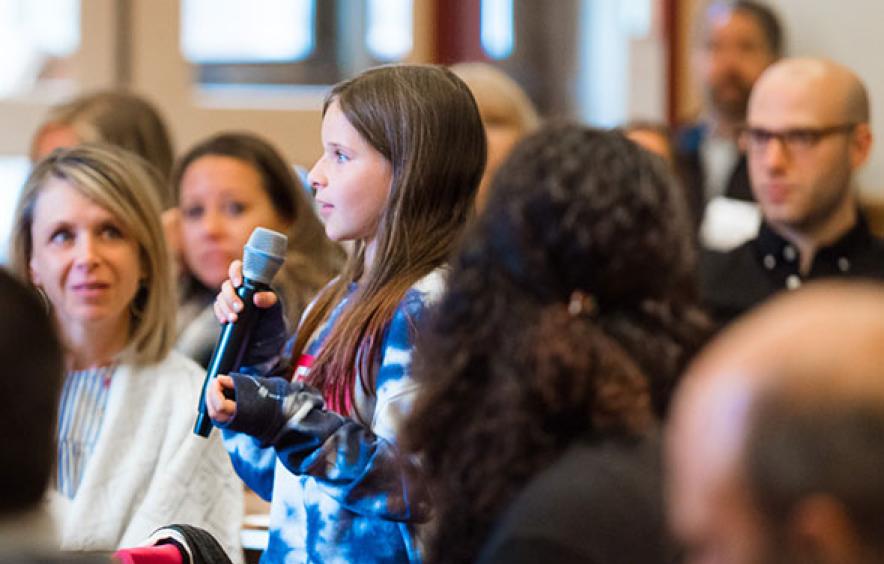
[551, 355]
[34, 364]
[776, 441]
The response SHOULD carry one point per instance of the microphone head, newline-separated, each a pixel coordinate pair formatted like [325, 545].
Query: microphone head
[264, 254]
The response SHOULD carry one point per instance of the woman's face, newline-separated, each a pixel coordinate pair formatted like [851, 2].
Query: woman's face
[222, 201]
[84, 259]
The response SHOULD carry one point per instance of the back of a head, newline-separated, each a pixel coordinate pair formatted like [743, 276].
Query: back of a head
[126, 120]
[586, 209]
[575, 208]
[535, 341]
[813, 363]
[33, 364]
[501, 100]
[652, 136]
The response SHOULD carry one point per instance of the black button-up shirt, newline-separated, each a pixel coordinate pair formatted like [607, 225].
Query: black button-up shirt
[735, 281]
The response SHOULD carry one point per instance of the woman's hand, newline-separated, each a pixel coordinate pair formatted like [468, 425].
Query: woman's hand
[228, 304]
[220, 409]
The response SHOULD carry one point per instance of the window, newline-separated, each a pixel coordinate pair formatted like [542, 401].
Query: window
[224, 31]
[13, 172]
[35, 36]
[389, 33]
[497, 28]
[292, 41]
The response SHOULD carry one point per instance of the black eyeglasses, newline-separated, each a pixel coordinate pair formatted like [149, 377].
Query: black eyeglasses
[795, 140]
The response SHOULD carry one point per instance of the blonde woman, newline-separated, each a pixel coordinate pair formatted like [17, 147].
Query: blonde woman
[115, 117]
[507, 114]
[87, 234]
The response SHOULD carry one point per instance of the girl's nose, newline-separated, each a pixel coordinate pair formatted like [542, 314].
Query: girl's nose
[316, 176]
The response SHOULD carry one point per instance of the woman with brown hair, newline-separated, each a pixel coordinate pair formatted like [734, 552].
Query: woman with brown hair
[557, 342]
[226, 186]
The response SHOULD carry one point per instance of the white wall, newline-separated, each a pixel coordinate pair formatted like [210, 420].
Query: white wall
[848, 31]
[622, 62]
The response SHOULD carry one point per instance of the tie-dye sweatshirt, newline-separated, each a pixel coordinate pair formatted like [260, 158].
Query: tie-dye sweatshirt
[340, 491]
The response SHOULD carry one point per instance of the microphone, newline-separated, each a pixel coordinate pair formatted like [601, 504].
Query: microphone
[262, 257]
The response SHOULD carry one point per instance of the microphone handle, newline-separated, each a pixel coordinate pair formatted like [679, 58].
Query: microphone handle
[230, 348]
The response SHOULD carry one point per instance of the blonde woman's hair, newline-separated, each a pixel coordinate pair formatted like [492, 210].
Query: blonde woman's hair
[120, 118]
[124, 185]
[501, 100]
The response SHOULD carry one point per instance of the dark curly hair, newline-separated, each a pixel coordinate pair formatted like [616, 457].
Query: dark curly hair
[510, 375]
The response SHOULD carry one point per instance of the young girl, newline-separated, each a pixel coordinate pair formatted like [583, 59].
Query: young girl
[403, 152]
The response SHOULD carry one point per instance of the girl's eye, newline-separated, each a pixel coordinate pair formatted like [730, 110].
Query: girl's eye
[341, 157]
[192, 212]
[235, 208]
[61, 236]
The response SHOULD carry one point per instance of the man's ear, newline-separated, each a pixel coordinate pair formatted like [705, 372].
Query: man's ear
[820, 530]
[860, 145]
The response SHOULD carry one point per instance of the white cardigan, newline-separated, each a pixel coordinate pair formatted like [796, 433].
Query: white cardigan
[149, 470]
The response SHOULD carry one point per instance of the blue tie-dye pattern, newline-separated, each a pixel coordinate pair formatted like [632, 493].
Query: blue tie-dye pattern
[253, 463]
[347, 500]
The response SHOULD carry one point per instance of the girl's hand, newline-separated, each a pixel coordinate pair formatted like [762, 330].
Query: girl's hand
[219, 407]
[228, 304]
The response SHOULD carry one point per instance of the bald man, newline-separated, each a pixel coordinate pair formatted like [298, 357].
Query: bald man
[807, 133]
[775, 446]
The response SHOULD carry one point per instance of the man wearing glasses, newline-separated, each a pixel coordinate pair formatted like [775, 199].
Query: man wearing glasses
[807, 132]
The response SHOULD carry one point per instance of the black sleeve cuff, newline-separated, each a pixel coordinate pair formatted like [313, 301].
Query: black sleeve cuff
[258, 406]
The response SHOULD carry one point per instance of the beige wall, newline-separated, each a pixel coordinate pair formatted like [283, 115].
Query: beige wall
[141, 49]
[846, 31]
[288, 116]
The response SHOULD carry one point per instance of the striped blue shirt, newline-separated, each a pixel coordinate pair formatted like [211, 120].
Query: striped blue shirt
[80, 416]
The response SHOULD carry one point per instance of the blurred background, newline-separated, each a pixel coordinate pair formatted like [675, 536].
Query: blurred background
[264, 65]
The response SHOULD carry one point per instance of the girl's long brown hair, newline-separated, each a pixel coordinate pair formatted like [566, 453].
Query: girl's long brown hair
[423, 120]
